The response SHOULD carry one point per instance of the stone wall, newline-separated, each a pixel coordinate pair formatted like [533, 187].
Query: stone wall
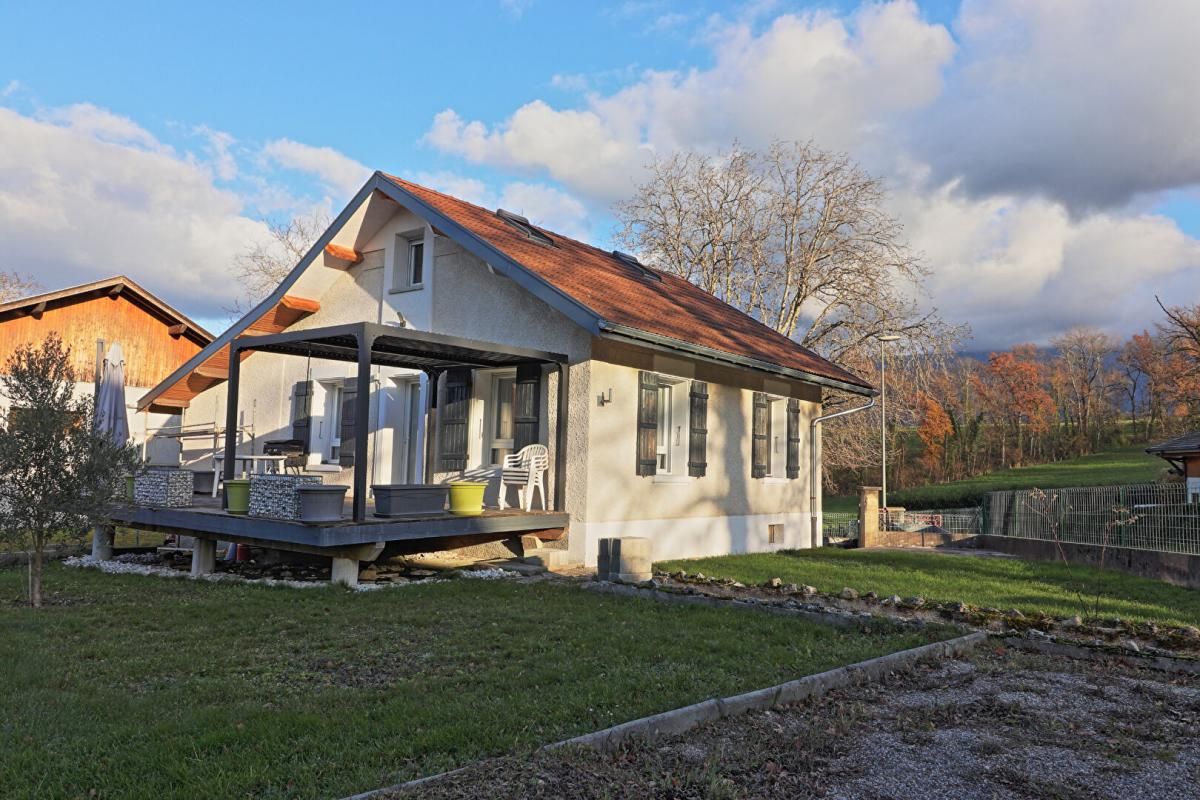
[1175, 568]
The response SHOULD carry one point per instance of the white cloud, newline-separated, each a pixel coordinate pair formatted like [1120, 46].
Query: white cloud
[341, 175]
[1023, 151]
[85, 193]
[11, 88]
[1089, 103]
[806, 76]
[516, 8]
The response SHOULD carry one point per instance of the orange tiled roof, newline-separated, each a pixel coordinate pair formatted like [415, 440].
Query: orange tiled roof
[618, 293]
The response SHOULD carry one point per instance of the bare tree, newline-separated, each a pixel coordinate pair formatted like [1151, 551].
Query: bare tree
[14, 285]
[1082, 353]
[262, 267]
[798, 238]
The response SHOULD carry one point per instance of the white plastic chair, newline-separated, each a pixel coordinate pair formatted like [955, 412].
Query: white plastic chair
[524, 469]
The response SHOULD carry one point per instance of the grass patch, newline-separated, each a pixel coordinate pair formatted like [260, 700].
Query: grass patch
[145, 687]
[1003, 583]
[1124, 466]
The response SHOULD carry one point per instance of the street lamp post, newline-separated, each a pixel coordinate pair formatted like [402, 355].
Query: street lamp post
[883, 340]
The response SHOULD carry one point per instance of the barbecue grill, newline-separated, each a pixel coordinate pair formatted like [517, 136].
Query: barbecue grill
[293, 451]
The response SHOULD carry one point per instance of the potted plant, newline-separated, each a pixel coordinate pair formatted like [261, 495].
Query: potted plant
[237, 495]
[321, 503]
[466, 498]
[410, 499]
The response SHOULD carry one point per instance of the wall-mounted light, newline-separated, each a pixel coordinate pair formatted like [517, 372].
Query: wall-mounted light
[604, 398]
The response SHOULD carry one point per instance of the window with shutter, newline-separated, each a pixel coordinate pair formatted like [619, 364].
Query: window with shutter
[647, 424]
[698, 430]
[793, 438]
[760, 434]
[302, 413]
[453, 421]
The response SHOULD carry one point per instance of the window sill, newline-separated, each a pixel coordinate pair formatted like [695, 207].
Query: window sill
[774, 480]
[405, 289]
[670, 479]
[323, 468]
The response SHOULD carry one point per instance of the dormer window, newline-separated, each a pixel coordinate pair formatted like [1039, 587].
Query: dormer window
[523, 225]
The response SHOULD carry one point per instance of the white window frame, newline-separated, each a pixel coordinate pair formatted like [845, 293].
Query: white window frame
[674, 417]
[776, 439]
[491, 408]
[331, 418]
[405, 261]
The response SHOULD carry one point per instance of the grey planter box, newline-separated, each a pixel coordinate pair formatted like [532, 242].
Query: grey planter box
[166, 488]
[410, 499]
[322, 503]
[275, 496]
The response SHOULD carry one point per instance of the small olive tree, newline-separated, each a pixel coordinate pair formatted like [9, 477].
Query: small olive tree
[58, 475]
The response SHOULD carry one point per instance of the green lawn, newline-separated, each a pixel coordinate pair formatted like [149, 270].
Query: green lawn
[1030, 586]
[1124, 466]
[141, 687]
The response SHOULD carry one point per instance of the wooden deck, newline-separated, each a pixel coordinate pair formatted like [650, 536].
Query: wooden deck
[206, 520]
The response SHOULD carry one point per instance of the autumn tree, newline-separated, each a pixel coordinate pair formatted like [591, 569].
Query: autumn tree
[935, 431]
[1014, 387]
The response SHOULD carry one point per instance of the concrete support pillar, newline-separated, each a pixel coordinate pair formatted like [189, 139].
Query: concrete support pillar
[102, 542]
[204, 557]
[868, 517]
[627, 560]
[344, 571]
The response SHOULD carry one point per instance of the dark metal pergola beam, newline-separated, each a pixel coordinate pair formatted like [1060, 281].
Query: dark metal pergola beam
[368, 344]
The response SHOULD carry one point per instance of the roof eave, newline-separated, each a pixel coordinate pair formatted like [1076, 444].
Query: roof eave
[611, 330]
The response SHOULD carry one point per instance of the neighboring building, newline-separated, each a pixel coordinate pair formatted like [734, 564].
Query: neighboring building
[1183, 454]
[686, 420]
[156, 339]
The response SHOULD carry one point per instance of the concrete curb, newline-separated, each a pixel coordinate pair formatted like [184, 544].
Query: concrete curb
[681, 720]
[846, 620]
[1179, 666]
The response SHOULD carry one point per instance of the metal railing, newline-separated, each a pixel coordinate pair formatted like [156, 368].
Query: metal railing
[936, 521]
[839, 525]
[1143, 516]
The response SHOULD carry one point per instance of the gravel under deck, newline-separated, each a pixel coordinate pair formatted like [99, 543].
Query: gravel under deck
[999, 725]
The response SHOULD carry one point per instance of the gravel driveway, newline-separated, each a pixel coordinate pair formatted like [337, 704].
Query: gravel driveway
[1000, 724]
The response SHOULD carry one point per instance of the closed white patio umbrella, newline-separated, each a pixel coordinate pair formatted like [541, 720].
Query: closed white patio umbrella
[112, 419]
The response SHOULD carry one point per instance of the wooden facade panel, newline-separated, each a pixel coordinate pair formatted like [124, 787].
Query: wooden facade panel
[152, 353]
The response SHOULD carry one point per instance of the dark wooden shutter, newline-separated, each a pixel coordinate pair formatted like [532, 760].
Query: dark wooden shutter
[793, 438]
[302, 413]
[647, 424]
[453, 420]
[526, 405]
[760, 444]
[698, 424]
[349, 430]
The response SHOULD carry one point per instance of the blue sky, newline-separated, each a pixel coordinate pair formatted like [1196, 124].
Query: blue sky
[1042, 156]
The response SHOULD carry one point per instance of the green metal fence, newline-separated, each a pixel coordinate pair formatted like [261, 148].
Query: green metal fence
[1144, 516]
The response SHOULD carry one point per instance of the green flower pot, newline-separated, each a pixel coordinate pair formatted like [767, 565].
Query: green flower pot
[466, 498]
[237, 496]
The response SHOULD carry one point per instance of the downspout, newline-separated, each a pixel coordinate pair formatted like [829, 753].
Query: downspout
[814, 485]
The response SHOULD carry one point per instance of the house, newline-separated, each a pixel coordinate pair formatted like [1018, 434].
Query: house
[424, 337]
[1183, 454]
[154, 337]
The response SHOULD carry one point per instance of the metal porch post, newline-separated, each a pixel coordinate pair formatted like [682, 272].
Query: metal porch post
[362, 422]
[560, 445]
[433, 377]
[231, 413]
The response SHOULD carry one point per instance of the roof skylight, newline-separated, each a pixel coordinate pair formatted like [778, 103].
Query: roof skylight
[523, 225]
[632, 262]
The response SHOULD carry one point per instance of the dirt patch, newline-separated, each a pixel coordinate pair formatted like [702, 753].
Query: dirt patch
[999, 724]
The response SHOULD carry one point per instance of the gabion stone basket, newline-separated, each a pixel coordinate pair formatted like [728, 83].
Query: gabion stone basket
[166, 488]
[275, 496]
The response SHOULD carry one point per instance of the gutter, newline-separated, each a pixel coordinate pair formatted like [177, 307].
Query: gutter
[614, 330]
[813, 481]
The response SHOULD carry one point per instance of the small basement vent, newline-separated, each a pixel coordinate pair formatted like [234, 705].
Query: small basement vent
[526, 227]
[632, 262]
[775, 533]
